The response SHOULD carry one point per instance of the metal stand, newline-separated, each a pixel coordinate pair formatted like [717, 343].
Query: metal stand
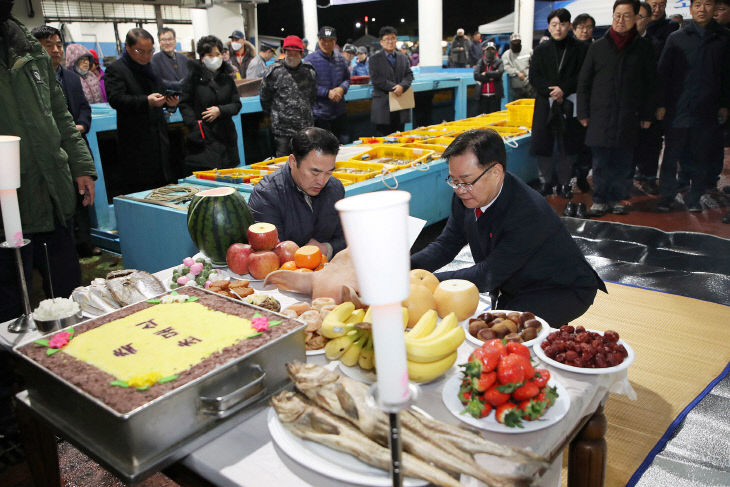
[25, 322]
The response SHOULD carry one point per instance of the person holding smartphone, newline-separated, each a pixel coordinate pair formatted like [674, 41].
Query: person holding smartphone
[140, 99]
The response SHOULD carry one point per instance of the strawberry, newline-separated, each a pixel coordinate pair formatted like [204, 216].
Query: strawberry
[510, 369]
[489, 357]
[527, 367]
[477, 409]
[465, 395]
[549, 395]
[519, 349]
[532, 409]
[508, 415]
[473, 368]
[498, 345]
[495, 397]
[484, 382]
[542, 376]
[525, 392]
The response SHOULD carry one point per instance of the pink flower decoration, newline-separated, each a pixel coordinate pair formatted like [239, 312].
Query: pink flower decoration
[260, 324]
[59, 340]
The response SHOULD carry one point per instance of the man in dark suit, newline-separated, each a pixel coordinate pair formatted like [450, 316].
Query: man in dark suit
[135, 92]
[524, 257]
[170, 66]
[390, 71]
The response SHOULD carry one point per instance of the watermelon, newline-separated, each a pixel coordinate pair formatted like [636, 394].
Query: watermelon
[218, 218]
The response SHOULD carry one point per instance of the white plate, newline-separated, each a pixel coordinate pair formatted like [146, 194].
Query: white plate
[540, 353]
[315, 352]
[544, 330]
[329, 462]
[450, 397]
[357, 373]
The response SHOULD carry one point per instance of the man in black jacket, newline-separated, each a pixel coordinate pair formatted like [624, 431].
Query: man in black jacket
[488, 74]
[135, 92]
[299, 199]
[693, 101]
[524, 257]
[170, 66]
[614, 101]
[390, 71]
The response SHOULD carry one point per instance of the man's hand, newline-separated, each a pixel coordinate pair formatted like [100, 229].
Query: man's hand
[86, 189]
[155, 100]
[645, 124]
[80, 128]
[322, 246]
[584, 121]
[211, 113]
[172, 101]
[556, 93]
[521, 75]
[660, 112]
[398, 90]
[722, 115]
[336, 94]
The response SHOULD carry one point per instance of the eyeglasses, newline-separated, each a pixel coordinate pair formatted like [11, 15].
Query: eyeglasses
[642, 17]
[142, 52]
[467, 186]
[623, 17]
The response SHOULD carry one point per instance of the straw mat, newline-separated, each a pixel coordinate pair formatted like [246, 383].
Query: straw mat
[681, 345]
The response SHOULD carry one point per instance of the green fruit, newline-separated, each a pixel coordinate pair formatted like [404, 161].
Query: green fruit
[184, 271]
[200, 260]
[174, 285]
[218, 218]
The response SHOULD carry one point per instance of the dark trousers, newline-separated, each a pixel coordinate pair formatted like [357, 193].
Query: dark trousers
[693, 149]
[395, 125]
[647, 151]
[65, 269]
[489, 104]
[559, 172]
[612, 169]
[282, 144]
[337, 126]
[556, 306]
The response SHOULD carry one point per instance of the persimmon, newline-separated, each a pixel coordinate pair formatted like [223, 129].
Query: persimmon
[288, 266]
[308, 257]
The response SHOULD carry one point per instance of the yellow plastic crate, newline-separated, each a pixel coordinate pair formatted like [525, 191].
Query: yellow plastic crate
[437, 149]
[521, 111]
[444, 141]
[271, 164]
[388, 155]
[500, 116]
[430, 131]
[390, 139]
[357, 171]
[235, 175]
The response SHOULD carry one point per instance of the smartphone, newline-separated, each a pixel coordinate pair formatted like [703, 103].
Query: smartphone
[169, 92]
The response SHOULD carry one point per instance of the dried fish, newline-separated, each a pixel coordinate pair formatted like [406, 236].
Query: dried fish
[95, 299]
[130, 286]
[310, 422]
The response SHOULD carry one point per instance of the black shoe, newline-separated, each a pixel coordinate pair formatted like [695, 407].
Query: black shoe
[695, 207]
[565, 191]
[582, 184]
[546, 189]
[581, 211]
[87, 250]
[598, 209]
[649, 187]
[570, 209]
[664, 206]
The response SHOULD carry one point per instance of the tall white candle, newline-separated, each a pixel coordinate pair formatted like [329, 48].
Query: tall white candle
[9, 182]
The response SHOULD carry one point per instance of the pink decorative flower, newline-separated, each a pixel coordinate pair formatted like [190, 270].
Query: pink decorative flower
[59, 340]
[260, 324]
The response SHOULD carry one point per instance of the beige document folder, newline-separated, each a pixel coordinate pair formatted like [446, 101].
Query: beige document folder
[402, 102]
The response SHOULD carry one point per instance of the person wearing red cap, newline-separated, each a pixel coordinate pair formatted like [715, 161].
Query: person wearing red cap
[288, 91]
[98, 72]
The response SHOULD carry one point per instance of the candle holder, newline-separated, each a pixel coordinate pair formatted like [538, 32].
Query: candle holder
[25, 322]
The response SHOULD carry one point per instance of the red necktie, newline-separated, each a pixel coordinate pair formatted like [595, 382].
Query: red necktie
[478, 212]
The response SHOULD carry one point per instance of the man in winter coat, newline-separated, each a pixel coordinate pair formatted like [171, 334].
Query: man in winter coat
[208, 104]
[257, 66]
[517, 66]
[693, 102]
[615, 100]
[287, 94]
[170, 66]
[135, 91]
[299, 199]
[554, 76]
[333, 81]
[242, 52]
[361, 66]
[488, 74]
[53, 156]
[390, 71]
[459, 52]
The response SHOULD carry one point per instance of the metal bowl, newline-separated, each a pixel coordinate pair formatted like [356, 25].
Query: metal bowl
[48, 326]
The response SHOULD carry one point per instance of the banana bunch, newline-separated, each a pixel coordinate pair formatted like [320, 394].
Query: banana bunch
[431, 347]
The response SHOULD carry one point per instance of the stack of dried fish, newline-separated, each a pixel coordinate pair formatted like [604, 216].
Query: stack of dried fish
[120, 288]
[434, 451]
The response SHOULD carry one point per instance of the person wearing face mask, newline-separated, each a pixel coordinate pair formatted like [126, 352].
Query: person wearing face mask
[79, 60]
[208, 104]
[241, 51]
[287, 93]
[488, 74]
[517, 66]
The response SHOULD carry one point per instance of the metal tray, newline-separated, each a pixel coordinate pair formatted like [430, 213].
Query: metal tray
[136, 444]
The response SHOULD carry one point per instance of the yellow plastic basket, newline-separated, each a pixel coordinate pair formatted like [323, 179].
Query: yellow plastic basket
[390, 139]
[444, 141]
[520, 111]
[430, 131]
[357, 171]
[270, 164]
[394, 157]
[437, 149]
[235, 175]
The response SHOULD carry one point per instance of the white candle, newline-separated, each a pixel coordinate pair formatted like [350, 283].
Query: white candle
[9, 182]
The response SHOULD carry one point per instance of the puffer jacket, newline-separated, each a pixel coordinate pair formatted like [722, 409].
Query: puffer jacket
[287, 95]
[332, 72]
[52, 151]
[89, 81]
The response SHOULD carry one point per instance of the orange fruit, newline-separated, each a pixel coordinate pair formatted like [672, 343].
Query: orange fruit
[324, 259]
[320, 266]
[308, 257]
[288, 266]
[304, 269]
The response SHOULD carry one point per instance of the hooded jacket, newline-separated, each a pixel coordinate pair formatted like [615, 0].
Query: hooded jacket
[89, 81]
[52, 151]
[287, 95]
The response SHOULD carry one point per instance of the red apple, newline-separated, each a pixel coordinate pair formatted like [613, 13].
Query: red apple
[261, 263]
[285, 250]
[263, 236]
[237, 257]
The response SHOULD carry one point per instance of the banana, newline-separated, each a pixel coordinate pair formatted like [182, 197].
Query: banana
[351, 355]
[405, 317]
[424, 326]
[367, 355]
[445, 325]
[356, 317]
[333, 325]
[337, 346]
[424, 372]
[368, 318]
[432, 349]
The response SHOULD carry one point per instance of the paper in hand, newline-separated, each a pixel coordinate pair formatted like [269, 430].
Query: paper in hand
[403, 102]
